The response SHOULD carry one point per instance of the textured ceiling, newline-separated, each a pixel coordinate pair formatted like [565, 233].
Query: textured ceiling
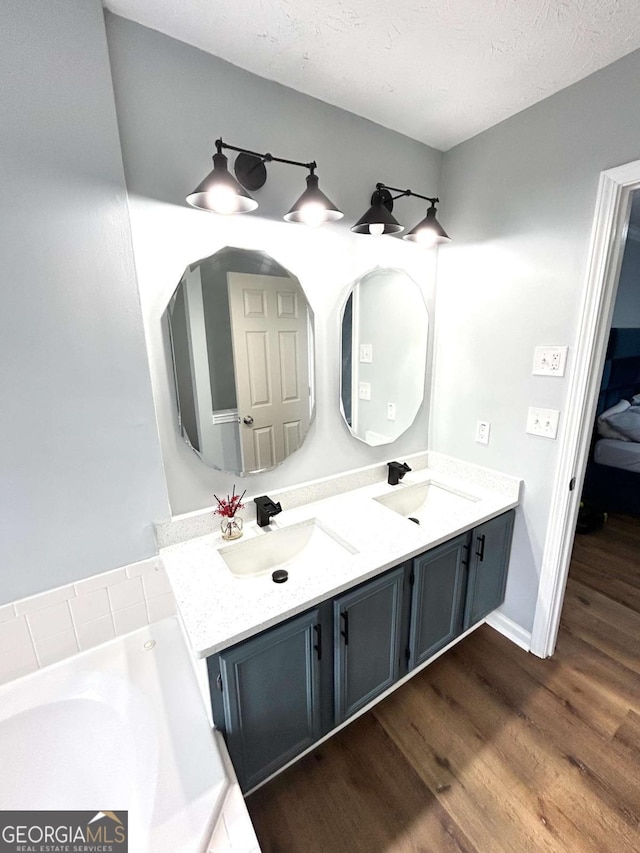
[439, 71]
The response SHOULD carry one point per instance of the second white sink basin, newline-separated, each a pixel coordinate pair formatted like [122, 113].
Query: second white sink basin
[305, 546]
[426, 500]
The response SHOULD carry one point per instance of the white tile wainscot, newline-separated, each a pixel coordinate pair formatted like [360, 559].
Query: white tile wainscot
[54, 625]
[51, 626]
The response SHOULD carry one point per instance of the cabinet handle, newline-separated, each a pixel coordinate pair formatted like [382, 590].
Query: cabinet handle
[318, 643]
[480, 551]
[465, 559]
[345, 626]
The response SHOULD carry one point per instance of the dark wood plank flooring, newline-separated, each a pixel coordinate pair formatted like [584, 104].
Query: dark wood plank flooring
[491, 749]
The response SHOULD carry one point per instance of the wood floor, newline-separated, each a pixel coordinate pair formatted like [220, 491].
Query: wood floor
[491, 749]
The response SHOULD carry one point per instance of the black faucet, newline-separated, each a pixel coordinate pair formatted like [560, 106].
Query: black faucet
[265, 510]
[397, 470]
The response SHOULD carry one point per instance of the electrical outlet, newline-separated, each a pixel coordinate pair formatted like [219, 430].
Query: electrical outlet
[543, 422]
[366, 354]
[483, 428]
[549, 361]
[364, 390]
[391, 411]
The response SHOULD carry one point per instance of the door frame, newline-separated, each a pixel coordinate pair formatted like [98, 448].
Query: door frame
[608, 236]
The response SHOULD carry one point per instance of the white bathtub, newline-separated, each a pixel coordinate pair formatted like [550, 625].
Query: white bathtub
[122, 726]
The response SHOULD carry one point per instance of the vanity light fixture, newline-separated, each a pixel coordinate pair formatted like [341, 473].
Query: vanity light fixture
[220, 192]
[379, 218]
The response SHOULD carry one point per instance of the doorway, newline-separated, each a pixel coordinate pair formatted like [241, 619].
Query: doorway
[608, 238]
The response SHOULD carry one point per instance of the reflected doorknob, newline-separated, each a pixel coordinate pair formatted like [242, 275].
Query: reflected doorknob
[248, 420]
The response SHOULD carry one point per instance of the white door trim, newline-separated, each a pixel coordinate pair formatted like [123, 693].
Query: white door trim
[605, 256]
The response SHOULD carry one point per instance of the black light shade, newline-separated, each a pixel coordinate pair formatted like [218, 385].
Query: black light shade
[219, 192]
[428, 232]
[378, 219]
[313, 207]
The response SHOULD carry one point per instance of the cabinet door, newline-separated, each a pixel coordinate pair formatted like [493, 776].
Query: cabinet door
[439, 580]
[367, 641]
[271, 692]
[489, 561]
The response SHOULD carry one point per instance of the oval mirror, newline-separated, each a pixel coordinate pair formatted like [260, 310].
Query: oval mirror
[242, 340]
[385, 331]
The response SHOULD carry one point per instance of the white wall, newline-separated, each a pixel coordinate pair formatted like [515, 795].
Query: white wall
[81, 475]
[519, 202]
[173, 101]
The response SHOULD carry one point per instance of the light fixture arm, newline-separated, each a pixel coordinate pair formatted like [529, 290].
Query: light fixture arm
[266, 158]
[402, 193]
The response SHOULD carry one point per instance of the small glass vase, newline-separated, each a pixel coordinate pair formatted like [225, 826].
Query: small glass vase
[231, 528]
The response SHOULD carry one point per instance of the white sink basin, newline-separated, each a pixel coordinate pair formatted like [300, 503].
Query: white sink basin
[306, 546]
[425, 501]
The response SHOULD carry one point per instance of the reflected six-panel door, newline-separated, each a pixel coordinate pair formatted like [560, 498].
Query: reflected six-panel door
[270, 332]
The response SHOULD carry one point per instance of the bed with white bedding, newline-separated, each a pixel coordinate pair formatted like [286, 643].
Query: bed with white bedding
[618, 454]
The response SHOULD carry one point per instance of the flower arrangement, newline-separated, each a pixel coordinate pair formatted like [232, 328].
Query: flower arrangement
[230, 526]
[229, 507]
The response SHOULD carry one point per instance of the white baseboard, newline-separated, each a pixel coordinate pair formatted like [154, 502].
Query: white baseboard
[510, 629]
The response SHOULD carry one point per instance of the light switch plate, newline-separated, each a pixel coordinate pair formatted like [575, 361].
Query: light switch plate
[364, 390]
[366, 353]
[549, 361]
[391, 411]
[543, 422]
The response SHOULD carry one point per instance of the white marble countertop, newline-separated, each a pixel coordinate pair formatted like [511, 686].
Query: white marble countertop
[219, 609]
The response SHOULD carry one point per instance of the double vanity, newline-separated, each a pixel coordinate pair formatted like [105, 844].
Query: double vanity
[362, 578]
[379, 579]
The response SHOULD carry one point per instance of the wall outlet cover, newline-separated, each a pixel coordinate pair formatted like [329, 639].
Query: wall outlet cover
[549, 361]
[391, 411]
[483, 428]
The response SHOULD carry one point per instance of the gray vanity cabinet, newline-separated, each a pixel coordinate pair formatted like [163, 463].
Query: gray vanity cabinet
[270, 695]
[488, 563]
[437, 603]
[368, 642]
[278, 692]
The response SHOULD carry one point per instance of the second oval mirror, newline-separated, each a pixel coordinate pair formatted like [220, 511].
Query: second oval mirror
[242, 339]
[385, 332]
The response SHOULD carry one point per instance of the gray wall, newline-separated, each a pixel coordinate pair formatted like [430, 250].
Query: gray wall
[173, 101]
[215, 300]
[81, 470]
[180, 344]
[81, 476]
[519, 200]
